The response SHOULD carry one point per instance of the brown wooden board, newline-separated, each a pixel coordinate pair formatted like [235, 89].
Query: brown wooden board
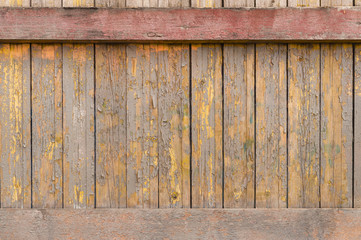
[263, 24]
[181, 224]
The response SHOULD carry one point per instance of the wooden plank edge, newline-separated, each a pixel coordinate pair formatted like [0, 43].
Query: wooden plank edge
[181, 223]
[175, 25]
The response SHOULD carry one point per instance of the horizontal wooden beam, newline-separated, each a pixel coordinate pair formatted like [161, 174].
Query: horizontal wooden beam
[181, 224]
[173, 25]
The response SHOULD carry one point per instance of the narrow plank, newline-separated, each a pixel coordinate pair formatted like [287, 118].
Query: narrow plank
[47, 139]
[179, 25]
[15, 146]
[206, 3]
[336, 3]
[110, 3]
[303, 3]
[238, 3]
[14, 3]
[271, 125]
[142, 124]
[174, 125]
[78, 3]
[206, 125]
[336, 125]
[78, 125]
[304, 125]
[46, 3]
[239, 125]
[157, 3]
[181, 224]
[357, 127]
[271, 3]
[111, 125]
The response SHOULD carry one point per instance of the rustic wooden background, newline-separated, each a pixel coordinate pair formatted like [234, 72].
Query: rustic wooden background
[180, 125]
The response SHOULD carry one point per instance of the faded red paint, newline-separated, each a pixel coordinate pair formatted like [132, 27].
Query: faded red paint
[285, 24]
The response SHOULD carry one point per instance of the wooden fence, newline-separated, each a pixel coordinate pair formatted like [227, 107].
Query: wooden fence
[180, 125]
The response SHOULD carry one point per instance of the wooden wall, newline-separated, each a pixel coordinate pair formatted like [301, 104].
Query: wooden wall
[180, 125]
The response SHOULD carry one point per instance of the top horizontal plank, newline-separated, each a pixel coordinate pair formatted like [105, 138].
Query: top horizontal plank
[172, 25]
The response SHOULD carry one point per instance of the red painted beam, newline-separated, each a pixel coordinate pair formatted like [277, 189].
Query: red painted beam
[146, 25]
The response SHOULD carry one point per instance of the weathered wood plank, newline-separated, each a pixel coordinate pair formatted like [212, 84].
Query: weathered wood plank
[46, 3]
[303, 3]
[357, 126]
[238, 3]
[206, 125]
[264, 24]
[304, 125]
[271, 3]
[181, 224]
[174, 125]
[47, 120]
[157, 3]
[78, 3]
[336, 125]
[111, 110]
[336, 3]
[206, 3]
[15, 146]
[239, 124]
[271, 125]
[78, 125]
[110, 3]
[142, 127]
[14, 3]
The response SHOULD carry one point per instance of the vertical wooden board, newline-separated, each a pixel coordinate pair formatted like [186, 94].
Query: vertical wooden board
[206, 3]
[206, 125]
[357, 125]
[142, 127]
[239, 142]
[336, 3]
[271, 125]
[303, 3]
[78, 125]
[156, 3]
[110, 3]
[174, 125]
[46, 3]
[47, 139]
[336, 125]
[14, 3]
[271, 3]
[357, 2]
[110, 125]
[238, 3]
[15, 144]
[303, 125]
[78, 3]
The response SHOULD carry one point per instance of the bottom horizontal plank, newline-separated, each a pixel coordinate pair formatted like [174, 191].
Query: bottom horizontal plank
[181, 224]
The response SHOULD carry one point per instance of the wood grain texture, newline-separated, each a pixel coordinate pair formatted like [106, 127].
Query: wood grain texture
[202, 25]
[303, 3]
[47, 121]
[110, 3]
[357, 127]
[206, 125]
[14, 3]
[271, 125]
[336, 3]
[270, 224]
[304, 125]
[239, 124]
[111, 115]
[78, 125]
[238, 3]
[206, 3]
[157, 3]
[174, 125]
[15, 145]
[271, 3]
[142, 126]
[46, 3]
[78, 3]
[336, 125]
